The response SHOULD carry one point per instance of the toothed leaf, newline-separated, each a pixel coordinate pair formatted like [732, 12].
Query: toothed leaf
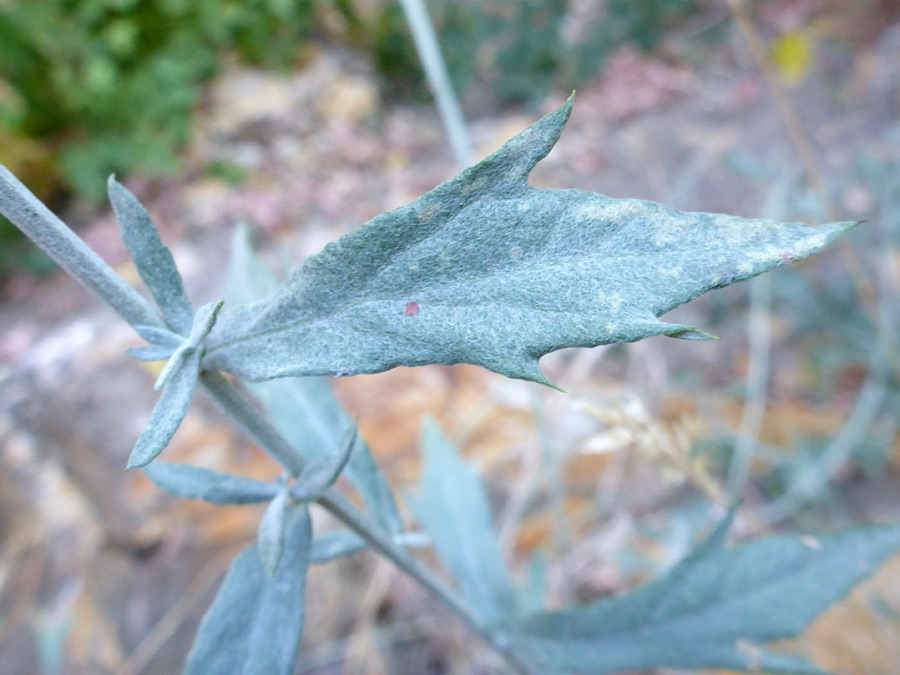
[487, 270]
[715, 609]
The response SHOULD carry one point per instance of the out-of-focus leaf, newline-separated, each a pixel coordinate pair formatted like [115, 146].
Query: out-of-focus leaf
[247, 279]
[192, 482]
[154, 261]
[255, 624]
[531, 595]
[150, 353]
[168, 412]
[270, 541]
[487, 270]
[452, 506]
[321, 473]
[159, 336]
[335, 545]
[715, 609]
[304, 409]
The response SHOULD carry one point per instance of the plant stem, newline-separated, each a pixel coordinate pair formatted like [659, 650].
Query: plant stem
[59, 242]
[241, 409]
[54, 238]
[438, 80]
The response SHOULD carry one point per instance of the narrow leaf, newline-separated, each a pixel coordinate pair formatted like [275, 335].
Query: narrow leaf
[335, 545]
[159, 336]
[487, 270]
[715, 609]
[192, 482]
[256, 622]
[154, 261]
[150, 353]
[271, 533]
[321, 473]
[168, 412]
[305, 409]
[452, 506]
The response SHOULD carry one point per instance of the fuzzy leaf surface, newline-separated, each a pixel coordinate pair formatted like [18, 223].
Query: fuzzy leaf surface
[715, 609]
[304, 409]
[271, 538]
[255, 623]
[168, 412]
[485, 269]
[192, 482]
[154, 261]
[452, 506]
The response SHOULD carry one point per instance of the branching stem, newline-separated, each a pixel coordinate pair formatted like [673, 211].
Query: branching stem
[55, 238]
[241, 409]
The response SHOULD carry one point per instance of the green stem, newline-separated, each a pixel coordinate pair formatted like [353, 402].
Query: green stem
[54, 238]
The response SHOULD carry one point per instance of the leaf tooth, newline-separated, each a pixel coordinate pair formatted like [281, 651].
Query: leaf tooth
[521, 154]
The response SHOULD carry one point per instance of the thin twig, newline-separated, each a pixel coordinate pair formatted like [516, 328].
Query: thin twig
[439, 80]
[795, 130]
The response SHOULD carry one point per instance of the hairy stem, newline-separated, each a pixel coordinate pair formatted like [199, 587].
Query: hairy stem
[54, 238]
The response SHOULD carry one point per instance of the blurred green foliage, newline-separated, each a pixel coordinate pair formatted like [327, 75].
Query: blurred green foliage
[109, 85]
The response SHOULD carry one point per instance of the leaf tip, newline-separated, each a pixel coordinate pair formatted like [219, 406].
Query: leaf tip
[136, 462]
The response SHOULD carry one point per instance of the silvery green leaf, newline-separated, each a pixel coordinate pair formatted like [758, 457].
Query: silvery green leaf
[452, 506]
[335, 545]
[715, 609]
[304, 409]
[154, 261]
[150, 353]
[159, 336]
[487, 270]
[270, 541]
[168, 412]
[247, 279]
[192, 482]
[321, 473]
[256, 622]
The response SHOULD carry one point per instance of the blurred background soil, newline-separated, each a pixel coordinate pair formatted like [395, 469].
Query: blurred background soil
[795, 409]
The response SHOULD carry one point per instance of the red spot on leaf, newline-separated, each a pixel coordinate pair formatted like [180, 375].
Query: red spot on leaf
[412, 308]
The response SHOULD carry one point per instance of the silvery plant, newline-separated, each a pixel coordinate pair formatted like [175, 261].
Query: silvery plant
[484, 270]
